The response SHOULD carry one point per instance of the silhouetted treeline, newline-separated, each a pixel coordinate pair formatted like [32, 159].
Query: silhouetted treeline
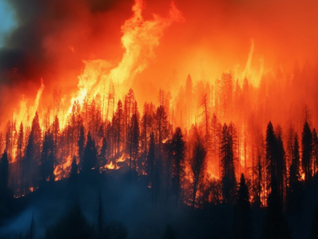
[198, 166]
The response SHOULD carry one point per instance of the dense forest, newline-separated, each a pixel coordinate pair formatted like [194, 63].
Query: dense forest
[176, 170]
[158, 119]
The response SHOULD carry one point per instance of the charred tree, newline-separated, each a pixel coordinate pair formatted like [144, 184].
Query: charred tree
[151, 161]
[90, 155]
[271, 149]
[242, 228]
[198, 166]
[133, 141]
[275, 225]
[307, 151]
[47, 158]
[280, 165]
[161, 127]
[118, 128]
[74, 168]
[102, 157]
[315, 151]
[32, 157]
[294, 191]
[20, 148]
[228, 168]
[4, 174]
[72, 226]
[81, 145]
[178, 148]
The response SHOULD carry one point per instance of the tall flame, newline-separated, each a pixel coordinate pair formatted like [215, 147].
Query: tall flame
[139, 39]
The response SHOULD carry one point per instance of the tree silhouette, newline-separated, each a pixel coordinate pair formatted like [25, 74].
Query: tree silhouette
[294, 191]
[102, 157]
[280, 164]
[90, 155]
[178, 148]
[32, 157]
[118, 124]
[4, 174]
[306, 151]
[133, 140]
[81, 144]
[242, 228]
[72, 226]
[315, 150]
[74, 168]
[257, 187]
[275, 224]
[20, 148]
[47, 158]
[56, 132]
[161, 127]
[197, 164]
[271, 149]
[151, 158]
[146, 123]
[228, 169]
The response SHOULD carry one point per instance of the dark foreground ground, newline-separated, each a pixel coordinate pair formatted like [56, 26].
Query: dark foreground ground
[120, 205]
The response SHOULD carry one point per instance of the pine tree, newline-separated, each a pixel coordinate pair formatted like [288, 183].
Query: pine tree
[20, 148]
[228, 169]
[242, 228]
[315, 150]
[118, 124]
[307, 151]
[280, 164]
[271, 149]
[133, 141]
[103, 153]
[81, 144]
[90, 155]
[161, 127]
[47, 158]
[198, 166]
[56, 134]
[151, 158]
[258, 183]
[72, 226]
[178, 148]
[294, 191]
[275, 224]
[74, 168]
[32, 157]
[4, 174]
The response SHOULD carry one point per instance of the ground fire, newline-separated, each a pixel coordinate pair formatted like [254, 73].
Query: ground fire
[168, 110]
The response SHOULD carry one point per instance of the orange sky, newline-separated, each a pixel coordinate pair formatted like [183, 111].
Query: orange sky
[215, 37]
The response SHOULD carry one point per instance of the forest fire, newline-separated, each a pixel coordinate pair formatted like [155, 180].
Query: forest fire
[194, 114]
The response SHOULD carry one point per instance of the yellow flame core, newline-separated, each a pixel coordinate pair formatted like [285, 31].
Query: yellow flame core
[139, 39]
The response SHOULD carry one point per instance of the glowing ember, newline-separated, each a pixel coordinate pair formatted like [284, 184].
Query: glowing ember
[110, 165]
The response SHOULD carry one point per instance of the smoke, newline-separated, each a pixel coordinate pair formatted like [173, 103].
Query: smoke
[216, 37]
[51, 40]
